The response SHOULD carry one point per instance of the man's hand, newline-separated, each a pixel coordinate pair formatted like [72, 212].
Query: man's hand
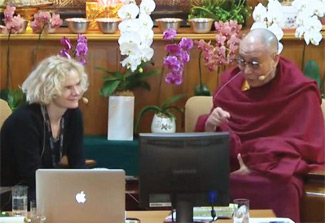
[216, 118]
[243, 169]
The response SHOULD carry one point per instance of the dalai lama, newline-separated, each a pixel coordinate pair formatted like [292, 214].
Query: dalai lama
[273, 114]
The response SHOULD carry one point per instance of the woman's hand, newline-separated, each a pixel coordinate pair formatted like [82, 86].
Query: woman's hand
[243, 169]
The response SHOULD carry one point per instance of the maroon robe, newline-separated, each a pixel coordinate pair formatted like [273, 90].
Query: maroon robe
[279, 130]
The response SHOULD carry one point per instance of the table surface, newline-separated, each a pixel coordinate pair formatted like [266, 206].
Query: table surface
[159, 216]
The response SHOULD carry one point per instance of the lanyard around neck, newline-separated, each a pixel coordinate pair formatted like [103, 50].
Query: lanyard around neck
[51, 138]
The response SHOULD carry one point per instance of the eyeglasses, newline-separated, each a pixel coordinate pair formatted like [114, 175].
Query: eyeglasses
[252, 64]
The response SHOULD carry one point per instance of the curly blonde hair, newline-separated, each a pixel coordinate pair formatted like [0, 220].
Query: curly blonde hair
[45, 83]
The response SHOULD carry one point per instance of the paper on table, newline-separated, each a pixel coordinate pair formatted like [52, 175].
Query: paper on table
[203, 214]
[270, 220]
[12, 219]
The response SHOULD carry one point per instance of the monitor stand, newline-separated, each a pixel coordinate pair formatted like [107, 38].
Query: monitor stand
[184, 211]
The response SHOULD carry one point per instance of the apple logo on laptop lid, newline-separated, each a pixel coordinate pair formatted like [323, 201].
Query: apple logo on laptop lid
[81, 197]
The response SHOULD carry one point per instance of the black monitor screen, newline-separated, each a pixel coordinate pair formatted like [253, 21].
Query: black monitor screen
[184, 169]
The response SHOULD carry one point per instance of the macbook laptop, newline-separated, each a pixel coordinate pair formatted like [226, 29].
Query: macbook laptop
[81, 195]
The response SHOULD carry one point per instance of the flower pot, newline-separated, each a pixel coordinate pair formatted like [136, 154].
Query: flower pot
[120, 118]
[163, 124]
[289, 17]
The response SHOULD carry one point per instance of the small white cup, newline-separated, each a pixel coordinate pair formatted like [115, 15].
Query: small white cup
[241, 213]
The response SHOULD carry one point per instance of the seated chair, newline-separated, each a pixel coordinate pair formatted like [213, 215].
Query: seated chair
[5, 111]
[313, 202]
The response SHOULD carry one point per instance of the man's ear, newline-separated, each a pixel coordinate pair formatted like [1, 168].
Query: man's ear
[276, 58]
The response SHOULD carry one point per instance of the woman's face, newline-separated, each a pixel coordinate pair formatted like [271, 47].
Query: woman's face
[71, 93]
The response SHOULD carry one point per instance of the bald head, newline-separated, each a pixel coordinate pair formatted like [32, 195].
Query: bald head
[260, 39]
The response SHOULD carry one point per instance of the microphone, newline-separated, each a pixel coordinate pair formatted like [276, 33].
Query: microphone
[85, 100]
[261, 78]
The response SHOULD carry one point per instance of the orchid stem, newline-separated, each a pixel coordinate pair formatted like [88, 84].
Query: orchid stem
[8, 84]
[160, 82]
[200, 71]
[38, 44]
[159, 86]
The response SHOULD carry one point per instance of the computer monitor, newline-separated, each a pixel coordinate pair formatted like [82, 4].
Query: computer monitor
[184, 170]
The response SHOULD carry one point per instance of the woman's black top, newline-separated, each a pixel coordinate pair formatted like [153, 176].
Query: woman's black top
[25, 145]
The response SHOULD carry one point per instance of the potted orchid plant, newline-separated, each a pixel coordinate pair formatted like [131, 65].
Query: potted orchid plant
[309, 27]
[307, 22]
[136, 37]
[44, 22]
[164, 120]
[12, 25]
[220, 54]
[135, 47]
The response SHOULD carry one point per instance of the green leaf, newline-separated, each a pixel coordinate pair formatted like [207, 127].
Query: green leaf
[109, 87]
[15, 98]
[145, 85]
[144, 110]
[113, 73]
[170, 114]
[110, 79]
[171, 100]
[149, 74]
[181, 111]
[311, 70]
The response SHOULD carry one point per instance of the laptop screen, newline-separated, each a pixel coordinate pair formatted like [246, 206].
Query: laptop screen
[81, 195]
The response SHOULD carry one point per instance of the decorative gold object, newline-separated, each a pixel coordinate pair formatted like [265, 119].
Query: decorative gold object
[68, 3]
[94, 11]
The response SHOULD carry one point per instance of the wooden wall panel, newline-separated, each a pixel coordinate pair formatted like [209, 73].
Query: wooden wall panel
[104, 52]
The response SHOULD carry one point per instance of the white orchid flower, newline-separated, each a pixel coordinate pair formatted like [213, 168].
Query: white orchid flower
[132, 62]
[270, 16]
[259, 13]
[136, 33]
[259, 25]
[146, 21]
[129, 11]
[301, 17]
[300, 31]
[313, 24]
[147, 37]
[128, 48]
[313, 36]
[129, 25]
[276, 30]
[319, 8]
[147, 6]
[310, 29]
[300, 4]
[146, 53]
[274, 12]
[130, 37]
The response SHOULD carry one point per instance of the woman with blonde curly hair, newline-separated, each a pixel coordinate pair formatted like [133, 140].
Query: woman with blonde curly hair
[39, 134]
